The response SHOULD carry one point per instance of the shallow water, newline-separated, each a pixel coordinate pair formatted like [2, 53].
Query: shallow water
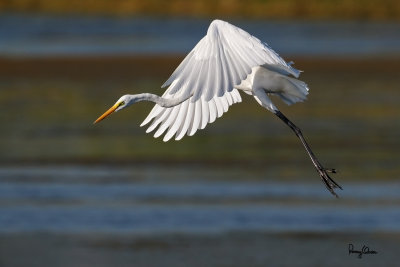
[240, 193]
[40, 35]
[76, 199]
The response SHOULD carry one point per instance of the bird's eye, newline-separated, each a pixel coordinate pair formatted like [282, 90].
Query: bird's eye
[121, 103]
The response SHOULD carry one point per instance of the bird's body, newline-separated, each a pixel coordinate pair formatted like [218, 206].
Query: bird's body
[225, 61]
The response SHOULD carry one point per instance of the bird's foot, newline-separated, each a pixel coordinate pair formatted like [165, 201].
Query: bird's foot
[328, 181]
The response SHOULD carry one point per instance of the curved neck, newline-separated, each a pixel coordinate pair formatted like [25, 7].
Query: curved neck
[161, 101]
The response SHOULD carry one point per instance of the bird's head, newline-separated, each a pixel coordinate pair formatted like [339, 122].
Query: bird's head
[123, 102]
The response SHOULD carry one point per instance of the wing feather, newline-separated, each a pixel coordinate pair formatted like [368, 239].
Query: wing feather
[213, 110]
[158, 120]
[218, 104]
[229, 99]
[219, 61]
[180, 119]
[196, 119]
[224, 103]
[205, 117]
[166, 123]
[189, 117]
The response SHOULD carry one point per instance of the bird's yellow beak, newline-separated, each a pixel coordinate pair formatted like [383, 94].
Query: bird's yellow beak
[108, 112]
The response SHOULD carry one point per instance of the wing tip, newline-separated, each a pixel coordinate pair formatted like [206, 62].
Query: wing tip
[146, 121]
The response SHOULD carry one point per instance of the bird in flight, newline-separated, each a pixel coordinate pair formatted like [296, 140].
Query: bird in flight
[225, 61]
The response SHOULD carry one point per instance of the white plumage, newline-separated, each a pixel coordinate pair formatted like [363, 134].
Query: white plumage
[221, 61]
[225, 61]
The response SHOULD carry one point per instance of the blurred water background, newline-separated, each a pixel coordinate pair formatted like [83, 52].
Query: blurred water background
[239, 193]
[47, 35]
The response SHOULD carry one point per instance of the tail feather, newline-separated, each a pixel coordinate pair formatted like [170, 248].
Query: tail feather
[275, 80]
[294, 91]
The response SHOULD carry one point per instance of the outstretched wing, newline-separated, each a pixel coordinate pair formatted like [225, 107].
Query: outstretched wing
[221, 60]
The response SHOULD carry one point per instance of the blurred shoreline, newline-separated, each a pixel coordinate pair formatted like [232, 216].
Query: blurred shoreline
[150, 66]
[290, 9]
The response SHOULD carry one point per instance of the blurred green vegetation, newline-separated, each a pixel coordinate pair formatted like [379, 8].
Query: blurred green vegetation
[277, 9]
[350, 118]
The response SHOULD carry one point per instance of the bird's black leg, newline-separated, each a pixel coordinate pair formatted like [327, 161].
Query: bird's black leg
[323, 173]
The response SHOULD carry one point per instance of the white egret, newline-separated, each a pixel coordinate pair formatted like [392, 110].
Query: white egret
[225, 61]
